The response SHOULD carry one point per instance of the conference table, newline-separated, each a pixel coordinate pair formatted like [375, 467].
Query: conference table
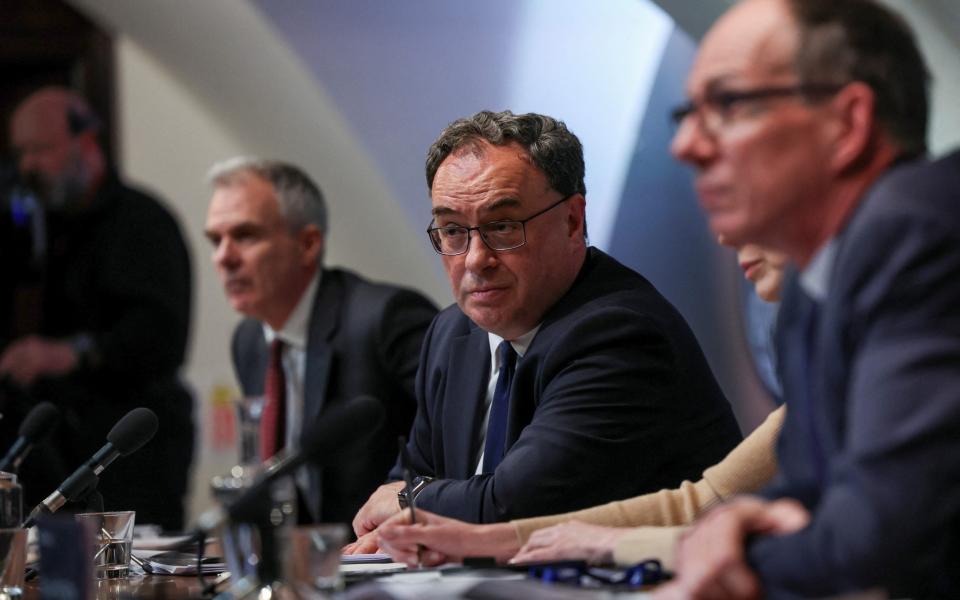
[147, 586]
[448, 582]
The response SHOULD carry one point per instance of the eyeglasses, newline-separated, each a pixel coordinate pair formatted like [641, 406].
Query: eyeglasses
[718, 107]
[451, 240]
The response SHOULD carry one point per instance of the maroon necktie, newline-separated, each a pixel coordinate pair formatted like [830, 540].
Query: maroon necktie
[273, 422]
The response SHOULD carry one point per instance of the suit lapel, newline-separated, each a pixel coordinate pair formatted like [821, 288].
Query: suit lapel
[323, 323]
[469, 365]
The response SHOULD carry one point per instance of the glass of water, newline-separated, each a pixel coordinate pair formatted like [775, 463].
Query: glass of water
[13, 558]
[249, 413]
[312, 561]
[113, 542]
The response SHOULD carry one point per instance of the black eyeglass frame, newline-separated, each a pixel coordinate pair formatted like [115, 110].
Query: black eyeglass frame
[435, 242]
[723, 101]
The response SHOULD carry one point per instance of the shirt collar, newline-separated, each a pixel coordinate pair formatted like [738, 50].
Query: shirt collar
[815, 279]
[294, 331]
[520, 344]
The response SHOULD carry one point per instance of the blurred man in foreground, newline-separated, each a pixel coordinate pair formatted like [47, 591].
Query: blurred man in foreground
[101, 310]
[314, 337]
[807, 127]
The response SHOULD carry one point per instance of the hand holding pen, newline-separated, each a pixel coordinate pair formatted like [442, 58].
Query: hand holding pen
[411, 498]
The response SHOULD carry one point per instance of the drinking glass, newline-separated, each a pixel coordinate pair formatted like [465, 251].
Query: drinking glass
[113, 542]
[249, 412]
[313, 558]
[13, 557]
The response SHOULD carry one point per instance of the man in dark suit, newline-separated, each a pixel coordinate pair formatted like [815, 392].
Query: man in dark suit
[98, 279]
[807, 120]
[560, 379]
[329, 334]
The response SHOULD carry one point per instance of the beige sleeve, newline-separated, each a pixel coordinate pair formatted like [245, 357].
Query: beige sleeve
[644, 543]
[745, 469]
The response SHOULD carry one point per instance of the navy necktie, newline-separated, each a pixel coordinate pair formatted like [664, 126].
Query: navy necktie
[493, 448]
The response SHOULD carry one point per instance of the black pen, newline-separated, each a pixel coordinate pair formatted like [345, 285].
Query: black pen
[408, 484]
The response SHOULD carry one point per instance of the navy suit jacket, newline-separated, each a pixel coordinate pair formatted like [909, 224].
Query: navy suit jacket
[363, 339]
[613, 398]
[875, 453]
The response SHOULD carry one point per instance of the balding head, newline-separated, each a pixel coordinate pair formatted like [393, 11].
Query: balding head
[53, 132]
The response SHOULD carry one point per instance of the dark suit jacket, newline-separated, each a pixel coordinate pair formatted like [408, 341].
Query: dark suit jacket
[876, 454]
[119, 271]
[364, 339]
[613, 398]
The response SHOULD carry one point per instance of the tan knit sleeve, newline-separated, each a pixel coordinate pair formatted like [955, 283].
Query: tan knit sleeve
[747, 468]
[751, 464]
[644, 543]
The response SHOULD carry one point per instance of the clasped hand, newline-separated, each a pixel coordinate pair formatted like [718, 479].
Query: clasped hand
[31, 357]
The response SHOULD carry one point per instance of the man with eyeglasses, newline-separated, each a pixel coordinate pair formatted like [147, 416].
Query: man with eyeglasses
[807, 130]
[560, 379]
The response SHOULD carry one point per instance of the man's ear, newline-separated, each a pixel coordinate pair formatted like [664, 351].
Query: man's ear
[576, 217]
[855, 126]
[311, 241]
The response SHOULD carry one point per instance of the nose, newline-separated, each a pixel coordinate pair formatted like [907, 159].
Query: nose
[479, 257]
[692, 144]
[225, 255]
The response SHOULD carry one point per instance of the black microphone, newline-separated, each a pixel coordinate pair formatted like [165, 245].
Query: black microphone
[38, 423]
[130, 433]
[319, 445]
[135, 429]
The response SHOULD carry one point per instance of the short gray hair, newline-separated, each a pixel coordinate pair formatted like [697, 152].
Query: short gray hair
[300, 199]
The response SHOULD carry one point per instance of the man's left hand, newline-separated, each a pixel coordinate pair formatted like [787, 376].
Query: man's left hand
[31, 357]
[711, 559]
[381, 505]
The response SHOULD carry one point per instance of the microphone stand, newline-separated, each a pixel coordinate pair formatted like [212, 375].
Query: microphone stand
[94, 503]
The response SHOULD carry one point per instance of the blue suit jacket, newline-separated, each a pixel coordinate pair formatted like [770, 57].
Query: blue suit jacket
[875, 454]
[363, 339]
[613, 398]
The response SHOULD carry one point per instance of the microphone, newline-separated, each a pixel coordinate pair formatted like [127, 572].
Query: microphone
[38, 423]
[320, 445]
[135, 429]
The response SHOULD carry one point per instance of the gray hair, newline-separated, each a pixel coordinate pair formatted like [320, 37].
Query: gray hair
[300, 199]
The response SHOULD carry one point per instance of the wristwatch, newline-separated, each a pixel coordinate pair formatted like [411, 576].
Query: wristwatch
[418, 484]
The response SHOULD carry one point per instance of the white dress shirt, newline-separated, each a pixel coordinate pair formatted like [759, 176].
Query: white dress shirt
[294, 334]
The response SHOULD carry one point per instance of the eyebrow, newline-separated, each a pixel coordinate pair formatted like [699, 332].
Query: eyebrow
[235, 228]
[496, 205]
[719, 82]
